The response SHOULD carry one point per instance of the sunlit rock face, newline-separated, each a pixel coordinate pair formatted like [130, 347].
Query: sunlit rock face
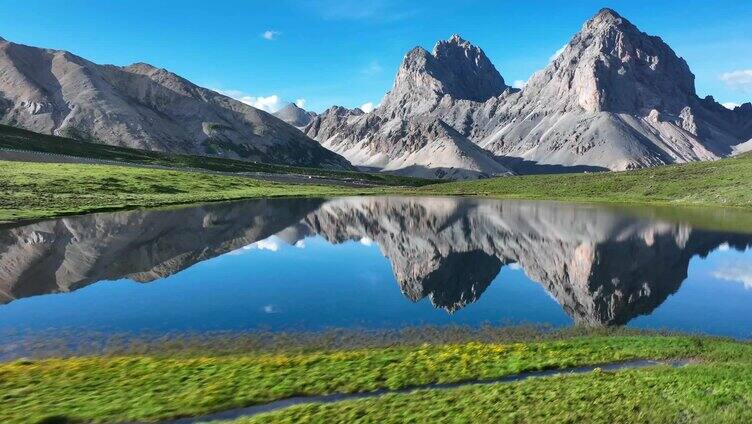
[405, 134]
[141, 106]
[604, 267]
[614, 98]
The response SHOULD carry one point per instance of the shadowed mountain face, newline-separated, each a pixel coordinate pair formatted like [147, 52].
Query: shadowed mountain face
[602, 266]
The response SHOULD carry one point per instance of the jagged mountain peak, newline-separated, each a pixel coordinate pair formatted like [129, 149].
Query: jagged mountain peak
[614, 98]
[454, 42]
[456, 68]
[607, 15]
[610, 65]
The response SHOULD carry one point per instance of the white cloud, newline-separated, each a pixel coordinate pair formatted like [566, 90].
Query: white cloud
[373, 68]
[730, 105]
[300, 244]
[269, 309]
[515, 266]
[271, 244]
[300, 103]
[270, 104]
[519, 83]
[724, 247]
[366, 241]
[737, 272]
[270, 35]
[738, 80]
[267, 244]
[557, 53]
[368, 107]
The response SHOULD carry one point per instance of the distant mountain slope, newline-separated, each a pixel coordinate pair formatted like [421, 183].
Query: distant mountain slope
[295, 116]
[403, 135]
[615, 98]
[56, 92]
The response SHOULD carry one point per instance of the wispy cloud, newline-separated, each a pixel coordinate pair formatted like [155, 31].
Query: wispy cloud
[557, 53]
[366, 241]
[737, 272]
[738, 80]
[270, 309]
[730, 105]
[519, 84]
[368, 107]
[373, 68]
[271, 103]
[271, 244]
[270, 35]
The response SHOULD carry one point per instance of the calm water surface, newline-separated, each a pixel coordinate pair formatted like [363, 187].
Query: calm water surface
[311, 264]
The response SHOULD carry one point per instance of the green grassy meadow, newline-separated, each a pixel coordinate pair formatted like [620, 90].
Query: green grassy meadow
[726, 182]
[151, 387]
[20, 139]
[45, 190]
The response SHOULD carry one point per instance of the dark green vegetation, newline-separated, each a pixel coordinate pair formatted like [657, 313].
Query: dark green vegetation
[19, 139]
[148, 387]
[726, 182]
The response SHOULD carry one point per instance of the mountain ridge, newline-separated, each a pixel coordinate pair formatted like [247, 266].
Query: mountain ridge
[142, 106]
[615, 98]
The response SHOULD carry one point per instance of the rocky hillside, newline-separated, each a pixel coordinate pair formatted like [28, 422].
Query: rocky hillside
[295, 116]
[615, 98]
[56, 92]
[405, 135]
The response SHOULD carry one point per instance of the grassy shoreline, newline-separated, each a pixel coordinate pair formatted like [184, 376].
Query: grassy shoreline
[148, 387]
[46, 190]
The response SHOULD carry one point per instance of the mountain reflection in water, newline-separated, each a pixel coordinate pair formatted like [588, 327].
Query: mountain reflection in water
[603, 266]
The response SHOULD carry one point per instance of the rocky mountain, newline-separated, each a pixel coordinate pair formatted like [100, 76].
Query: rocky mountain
[56, 92]
[615, 98]
[295, 116]
[404, 135]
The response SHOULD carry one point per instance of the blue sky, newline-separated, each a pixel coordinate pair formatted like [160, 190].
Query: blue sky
[347, 52]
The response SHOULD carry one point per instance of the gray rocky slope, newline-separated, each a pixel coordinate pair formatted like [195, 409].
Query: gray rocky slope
[603, 268]
[140, 106]
[615, 98]
[404, 135]
[295, 116]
